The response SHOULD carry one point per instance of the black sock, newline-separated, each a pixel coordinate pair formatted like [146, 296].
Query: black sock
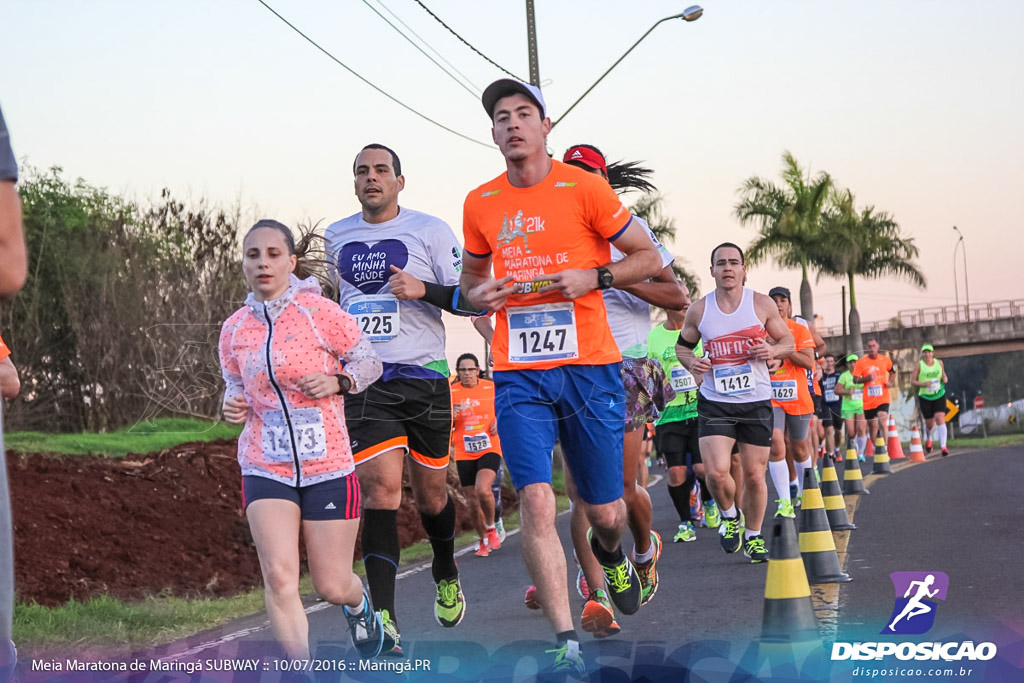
[681, 499]
[565, 636]
[380, 556]
[705, 492]
[440, 530]
[603, 556]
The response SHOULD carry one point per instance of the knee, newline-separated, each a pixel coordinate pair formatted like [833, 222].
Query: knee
[380, 495]
[281, 579]
[607, 516]
[676, 476]
[432, 502]
[338, 590]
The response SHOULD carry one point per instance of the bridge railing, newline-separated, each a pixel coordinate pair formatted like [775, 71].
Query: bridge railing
[940, 315]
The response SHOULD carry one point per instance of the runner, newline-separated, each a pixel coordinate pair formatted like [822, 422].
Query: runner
[831, 408]
[792, 409]
[10, 385]
[546, 226]
[850, 388]
[734, 404]
[676, 429]
[477, 447]
[397, 269]
[279, 357]
[876, 390]
[931, 396]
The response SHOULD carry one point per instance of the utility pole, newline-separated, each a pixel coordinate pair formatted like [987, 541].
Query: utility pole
[531, 44]
[846, 342]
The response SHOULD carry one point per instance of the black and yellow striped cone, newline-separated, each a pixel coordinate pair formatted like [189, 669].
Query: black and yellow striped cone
[832, 495]
[881, 461]
[817, 546]
[853, 481]
[788, 610]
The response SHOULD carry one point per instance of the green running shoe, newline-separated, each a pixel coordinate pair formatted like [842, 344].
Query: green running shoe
[450, 607]
[568, 660]
[392, 645]
[686, 534]
[712, 517]
[730, 534]
[648, 571]
[755, 550]
[785, 508]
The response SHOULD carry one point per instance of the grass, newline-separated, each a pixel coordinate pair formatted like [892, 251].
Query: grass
[989, 442]
[143, 437]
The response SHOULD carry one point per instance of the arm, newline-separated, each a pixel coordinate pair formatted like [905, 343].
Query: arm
[9, 383]
[482, 291]
[662, 290]
[784, 345]
[446, 297]
[484, 327]
[819, 343]
[13, 260]
[803, 358]
[945, 380]
[687, 342]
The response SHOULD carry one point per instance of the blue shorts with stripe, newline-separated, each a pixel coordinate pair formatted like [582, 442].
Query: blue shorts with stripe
[583, 406]
[329, 500]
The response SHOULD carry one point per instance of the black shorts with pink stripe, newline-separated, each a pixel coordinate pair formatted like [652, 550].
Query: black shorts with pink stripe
[333, 499]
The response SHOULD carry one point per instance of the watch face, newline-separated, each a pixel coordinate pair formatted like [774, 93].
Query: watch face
[604, 278]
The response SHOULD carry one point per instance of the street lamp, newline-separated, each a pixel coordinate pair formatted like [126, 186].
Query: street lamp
[967, 289]
[689, 14]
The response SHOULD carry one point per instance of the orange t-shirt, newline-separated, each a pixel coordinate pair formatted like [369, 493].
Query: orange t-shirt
[875, 392]
[564, 221]
[4, 350]
[472, 415]
[789, 383]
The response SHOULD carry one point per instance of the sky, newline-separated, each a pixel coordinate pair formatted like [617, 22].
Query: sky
[915, 105]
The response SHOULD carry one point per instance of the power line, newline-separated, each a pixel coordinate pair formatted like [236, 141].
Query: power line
[440, 56]
[367, 82]
[467, 43]
[422, 51]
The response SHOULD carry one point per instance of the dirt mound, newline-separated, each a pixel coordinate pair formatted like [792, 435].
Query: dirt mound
[161, 523]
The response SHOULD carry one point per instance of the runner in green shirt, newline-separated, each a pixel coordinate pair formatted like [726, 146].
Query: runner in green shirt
[852, 410]
[931, 396]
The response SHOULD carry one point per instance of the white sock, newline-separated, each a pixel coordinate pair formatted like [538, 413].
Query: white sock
[750, 533]
[931, 433]
[801, 467]
[780, 478]
[644, 558]
[862, 442]
[730, 512]
[355, 612]
[942, 435]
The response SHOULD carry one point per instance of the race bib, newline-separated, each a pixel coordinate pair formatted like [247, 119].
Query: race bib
[734, 380]
[377, 316]
[682, 380]
[308, 429]
[933, 386]
[857, 396]
[784, 390]
[874, 390]
[476, 443]
[542, 333]
[831, 396]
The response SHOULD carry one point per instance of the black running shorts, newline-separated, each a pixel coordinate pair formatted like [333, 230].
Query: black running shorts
[468, 468]
[749, 423]
[678, 442]
[931, 406]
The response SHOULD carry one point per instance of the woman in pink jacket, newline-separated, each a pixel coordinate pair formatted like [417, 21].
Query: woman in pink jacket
[280, 356]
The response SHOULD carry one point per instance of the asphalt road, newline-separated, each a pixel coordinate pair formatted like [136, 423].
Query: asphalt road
[960, 515]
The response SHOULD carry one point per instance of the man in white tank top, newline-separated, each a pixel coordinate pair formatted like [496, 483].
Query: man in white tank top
[734, 404]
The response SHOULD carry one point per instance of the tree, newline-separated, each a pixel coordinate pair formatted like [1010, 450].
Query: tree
[868, 244]
[789, 219]
[649, 207]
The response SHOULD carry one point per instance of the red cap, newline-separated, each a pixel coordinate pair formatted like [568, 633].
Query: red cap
[586, 156]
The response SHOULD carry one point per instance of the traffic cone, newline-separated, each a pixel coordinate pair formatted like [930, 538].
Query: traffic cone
[832, 496]
[788, 610]
[853, 481]
[894, 446]
[916, 452]
[817, 547]
[869, 449]
[880, 463]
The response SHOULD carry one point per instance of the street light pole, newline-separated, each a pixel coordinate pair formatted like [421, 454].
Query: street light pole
[967, 287]
[956, 283]
[531, 44]
[689, 14]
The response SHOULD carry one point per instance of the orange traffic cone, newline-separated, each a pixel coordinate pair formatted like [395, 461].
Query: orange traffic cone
[894, 446]
[869, 448]
[916, 452]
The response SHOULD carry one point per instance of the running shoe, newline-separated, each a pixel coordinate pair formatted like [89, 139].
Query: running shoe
[568, 660]
[945, 452]
[493, 540]
[794, 494]
[392, 645]
[860, 458]
[648, 571]
[599, 616]
[531, 600]
[712, 517]
[785, 508]
[928, 446]
[837, 456]
[483, 550]
[581, 585]
[450, 606]
[686, 534]
[731, 534]
[500, 526]
[365, 628]
[754, 548]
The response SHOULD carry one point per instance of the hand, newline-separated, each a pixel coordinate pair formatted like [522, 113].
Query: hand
[491, 294]
[774, 364]
[405, 286]
[572, 283]
[235, 408]
[759, 350]
[318, 385]
[458, 408]
[493, 429]
[700, 366]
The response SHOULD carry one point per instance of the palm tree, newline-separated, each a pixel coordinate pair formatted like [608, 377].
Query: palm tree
[649, 207]
[869, 244]
[789, 218]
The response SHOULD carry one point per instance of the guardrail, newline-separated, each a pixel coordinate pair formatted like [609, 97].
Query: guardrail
[942, 315]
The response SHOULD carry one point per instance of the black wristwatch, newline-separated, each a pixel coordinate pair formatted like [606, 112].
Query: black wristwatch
[604, 278]
[344, 383]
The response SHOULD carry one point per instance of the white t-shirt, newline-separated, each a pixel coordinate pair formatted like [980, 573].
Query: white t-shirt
[628, 316]
[408, 332]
